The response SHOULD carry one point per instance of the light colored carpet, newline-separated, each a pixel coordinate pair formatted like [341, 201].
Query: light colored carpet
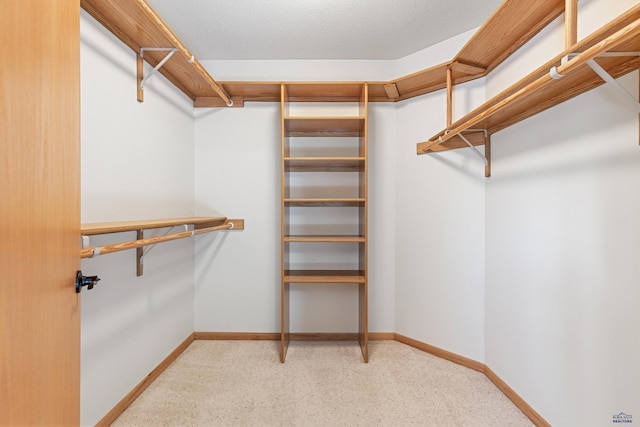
[243, 383]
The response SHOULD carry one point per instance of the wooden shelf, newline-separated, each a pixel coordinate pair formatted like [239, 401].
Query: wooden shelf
[513, 24]
[324, 239]
[323, 164]
[328, 202]
[538, 91]
[201, 225]
[139, 26]
[91, 229]
[324, 91]
[135, 23]
[295, 177]
[323, 126]
[324, 276]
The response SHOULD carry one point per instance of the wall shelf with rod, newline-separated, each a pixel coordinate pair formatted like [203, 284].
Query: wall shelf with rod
[614, 49]
[141, 28]
[193, 226]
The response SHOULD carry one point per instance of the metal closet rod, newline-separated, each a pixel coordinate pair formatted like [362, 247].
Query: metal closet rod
[183, 50]
[117, 247]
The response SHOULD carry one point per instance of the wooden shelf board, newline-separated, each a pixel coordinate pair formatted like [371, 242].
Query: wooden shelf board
[337, 202]
[551, 92]
[129, 21]
[324, 276]
[91, 229]
[327, 239]
[475, 138]
[254, 91]
[324, 164]
[324, 91]
[324, 126]
[513, 24]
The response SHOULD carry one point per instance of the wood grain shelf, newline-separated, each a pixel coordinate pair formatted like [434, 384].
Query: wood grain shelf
[323, 126]
[513, 24]
[328, 202]
[323, 164]
[538, 91]
[92, 229]
[201, 225]
[138, 26]
[325, 239]
[324, 276]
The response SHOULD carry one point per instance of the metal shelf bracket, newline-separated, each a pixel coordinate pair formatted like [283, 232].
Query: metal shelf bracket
[142, 79]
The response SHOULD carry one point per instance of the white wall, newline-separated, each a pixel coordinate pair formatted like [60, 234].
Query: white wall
[562, 233]
[137, 163]
[439, 219]
[439, 236]
[237, 171]
[238, 175]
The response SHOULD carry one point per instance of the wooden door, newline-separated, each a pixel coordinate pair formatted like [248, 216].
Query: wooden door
[39, 212]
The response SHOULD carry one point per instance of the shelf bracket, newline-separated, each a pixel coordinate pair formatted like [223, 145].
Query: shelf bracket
[604, 75]
[144, 250]
[142, 79]
[614, 83]
[485, 159]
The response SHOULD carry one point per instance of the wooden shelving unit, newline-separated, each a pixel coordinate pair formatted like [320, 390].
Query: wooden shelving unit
[319, 133]
[539, 90]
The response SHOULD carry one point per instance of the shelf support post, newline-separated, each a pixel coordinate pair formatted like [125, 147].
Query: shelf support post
[139, 254]
[449, 97]
[487, 155]
[570, 23]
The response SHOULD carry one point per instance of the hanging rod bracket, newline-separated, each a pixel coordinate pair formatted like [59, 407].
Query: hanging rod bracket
[85, 241]
[553, 72]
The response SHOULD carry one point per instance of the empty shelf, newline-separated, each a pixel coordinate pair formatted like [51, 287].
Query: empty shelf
[338, 239]
[122, 226]
[324, 164]
[324, 126]
[345, 202]
[324, 276]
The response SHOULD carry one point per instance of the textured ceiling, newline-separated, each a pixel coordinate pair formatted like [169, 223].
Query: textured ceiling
[318, 29]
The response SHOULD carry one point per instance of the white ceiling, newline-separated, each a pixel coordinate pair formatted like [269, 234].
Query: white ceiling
[318, 29]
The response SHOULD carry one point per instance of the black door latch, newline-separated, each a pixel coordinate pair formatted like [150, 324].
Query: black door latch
[88, 281]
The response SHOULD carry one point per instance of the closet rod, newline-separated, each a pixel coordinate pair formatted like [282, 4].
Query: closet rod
[116, 247]
[617, 38]
[183, 50]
